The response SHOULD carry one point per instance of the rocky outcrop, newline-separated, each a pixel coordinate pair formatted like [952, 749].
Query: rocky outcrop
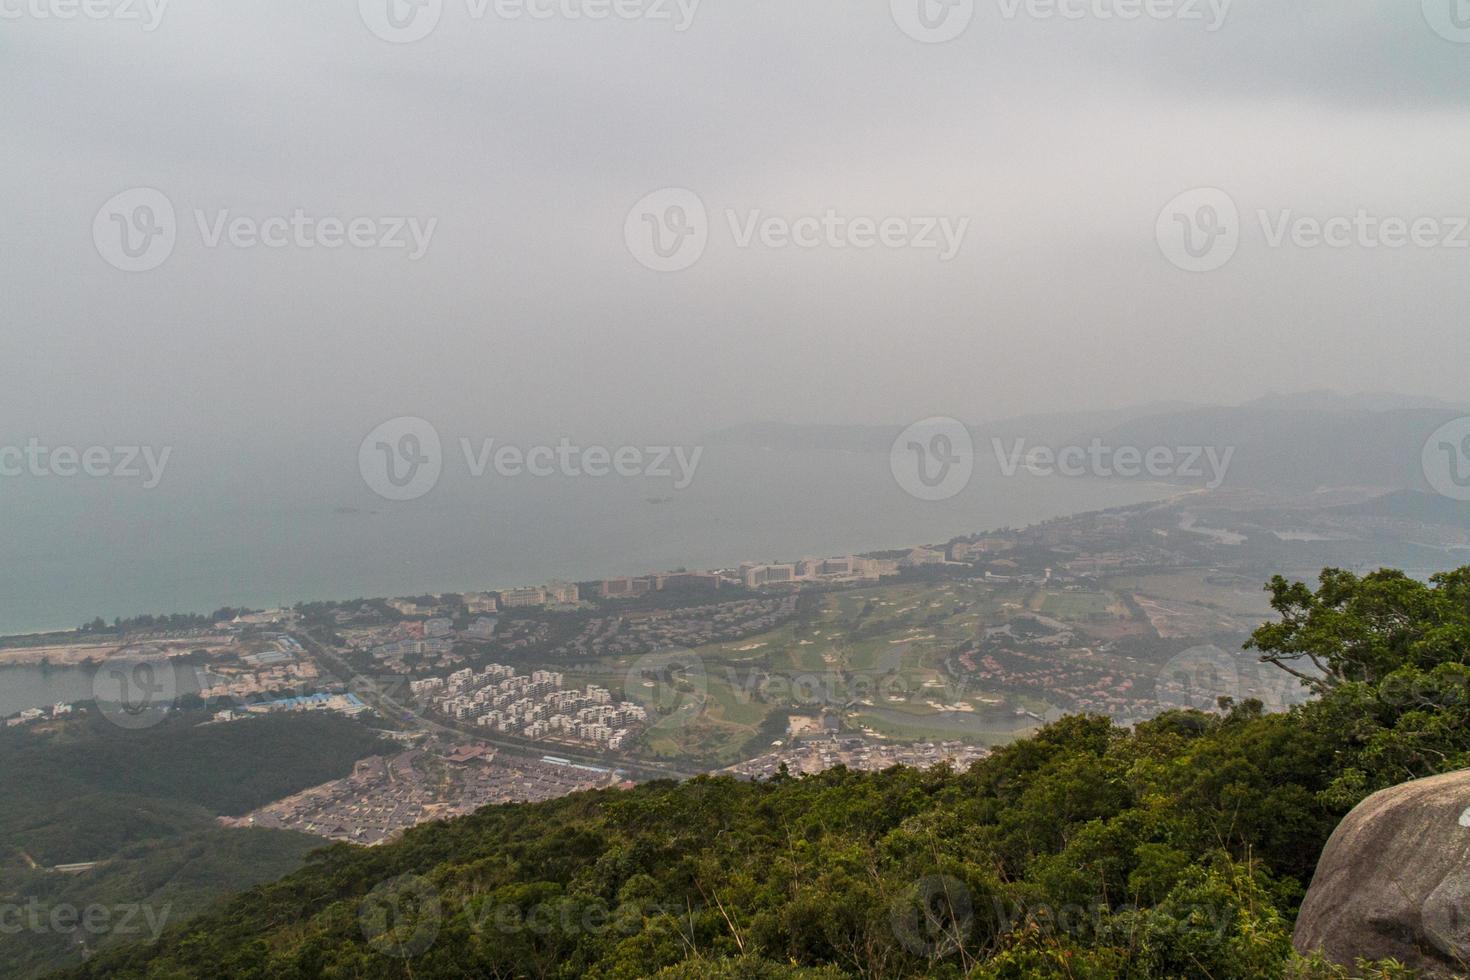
[1394, 881]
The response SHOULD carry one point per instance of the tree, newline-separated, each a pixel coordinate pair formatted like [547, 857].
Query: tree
[1363, 629]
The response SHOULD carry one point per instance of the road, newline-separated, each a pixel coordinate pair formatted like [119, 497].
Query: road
[373, 694]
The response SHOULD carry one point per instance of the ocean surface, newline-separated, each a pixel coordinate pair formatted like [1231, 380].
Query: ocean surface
[218, 532]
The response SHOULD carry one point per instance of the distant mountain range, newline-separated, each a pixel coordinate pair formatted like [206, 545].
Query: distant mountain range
[1043, 428]
[1290, 442]
[1410, 505]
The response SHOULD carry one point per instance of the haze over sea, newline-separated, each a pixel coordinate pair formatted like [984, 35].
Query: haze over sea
[219, 531]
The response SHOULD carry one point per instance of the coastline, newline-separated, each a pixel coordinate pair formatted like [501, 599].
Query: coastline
[56, 655]
[1160, 493]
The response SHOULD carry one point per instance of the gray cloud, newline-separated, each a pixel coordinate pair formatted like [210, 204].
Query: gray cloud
[529, 142]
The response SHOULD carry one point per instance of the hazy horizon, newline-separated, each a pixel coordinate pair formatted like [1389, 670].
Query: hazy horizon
[264, 252]
[528, 143]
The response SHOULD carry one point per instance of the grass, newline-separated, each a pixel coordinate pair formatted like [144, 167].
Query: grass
[1076, 607]
[1191, 587]
[904, 631]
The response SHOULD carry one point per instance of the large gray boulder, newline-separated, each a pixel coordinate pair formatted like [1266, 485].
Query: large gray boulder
[1394, 881]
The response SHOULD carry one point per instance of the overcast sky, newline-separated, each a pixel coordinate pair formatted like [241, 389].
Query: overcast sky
[529, 142]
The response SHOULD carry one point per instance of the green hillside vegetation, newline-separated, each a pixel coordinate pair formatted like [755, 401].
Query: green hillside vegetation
[144, 804]
[1179, 848]
[91, 788]
[139, 890]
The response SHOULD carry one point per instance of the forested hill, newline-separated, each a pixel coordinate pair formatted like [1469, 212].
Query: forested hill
[144, 803]
[1179, 848]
